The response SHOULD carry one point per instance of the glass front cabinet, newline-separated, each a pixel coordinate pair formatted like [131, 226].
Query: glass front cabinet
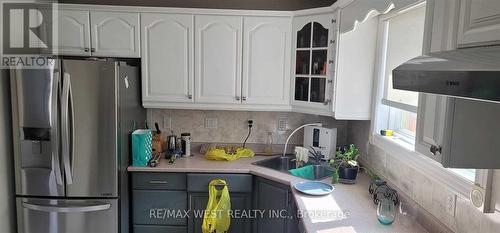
[313, 63]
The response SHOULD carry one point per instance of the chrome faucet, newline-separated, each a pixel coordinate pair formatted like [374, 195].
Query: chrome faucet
[297, 129]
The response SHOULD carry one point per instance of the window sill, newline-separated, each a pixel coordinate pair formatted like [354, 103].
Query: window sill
[406, 153]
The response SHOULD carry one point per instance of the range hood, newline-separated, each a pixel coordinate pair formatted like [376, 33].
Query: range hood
[472, 73]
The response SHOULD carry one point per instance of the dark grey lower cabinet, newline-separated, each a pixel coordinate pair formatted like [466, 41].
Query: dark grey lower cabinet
[239, 202]
[276, 202]
[159, 229]
[240, 192]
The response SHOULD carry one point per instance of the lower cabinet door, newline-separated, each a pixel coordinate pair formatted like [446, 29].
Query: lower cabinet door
[159, 229]
[155, 207]
[239, 202]
[276, 202]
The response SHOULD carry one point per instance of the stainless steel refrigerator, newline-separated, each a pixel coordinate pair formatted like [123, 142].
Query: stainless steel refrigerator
[71, 126]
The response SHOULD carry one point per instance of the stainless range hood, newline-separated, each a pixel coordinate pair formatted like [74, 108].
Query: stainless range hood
[468, 73]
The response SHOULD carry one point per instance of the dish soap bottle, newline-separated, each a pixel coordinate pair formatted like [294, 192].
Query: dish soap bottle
[268, 150]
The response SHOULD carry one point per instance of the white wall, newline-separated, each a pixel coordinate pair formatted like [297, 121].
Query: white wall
[7, 213]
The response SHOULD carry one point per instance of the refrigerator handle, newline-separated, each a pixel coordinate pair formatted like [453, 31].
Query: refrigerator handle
[55, 129]
[67, 208]
[66, 147]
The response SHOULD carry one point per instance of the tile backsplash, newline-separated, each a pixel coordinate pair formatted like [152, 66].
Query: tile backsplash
[232, 125]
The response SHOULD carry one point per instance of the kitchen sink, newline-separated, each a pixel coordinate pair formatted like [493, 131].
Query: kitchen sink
[285, 163]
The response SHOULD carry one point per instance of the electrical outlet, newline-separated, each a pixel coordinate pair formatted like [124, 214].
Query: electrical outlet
[450, 204]
[281, 125]
[167, 122]
[211, 123]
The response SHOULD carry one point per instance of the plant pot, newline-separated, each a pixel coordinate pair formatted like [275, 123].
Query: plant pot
[347, 175]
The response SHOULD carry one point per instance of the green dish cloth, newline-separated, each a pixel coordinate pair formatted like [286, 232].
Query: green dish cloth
[306, 172]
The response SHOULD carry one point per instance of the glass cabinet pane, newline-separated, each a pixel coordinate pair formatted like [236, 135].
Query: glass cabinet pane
[302, 62]
[319, 62]
[318, 89]
[301, 88]
[320, 35]
[304, 37]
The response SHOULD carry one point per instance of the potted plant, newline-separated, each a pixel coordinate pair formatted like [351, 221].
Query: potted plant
[346, 165]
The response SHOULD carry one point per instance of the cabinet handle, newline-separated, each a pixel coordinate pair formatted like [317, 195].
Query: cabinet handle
[237, 98]
[244, 98]
[190, 96]
[329, 81]
[327, 101]
[332, 41]
[86, 50]
[158, 182]
[334, 21]
[92, 50]
[435, 149]
[330, 61]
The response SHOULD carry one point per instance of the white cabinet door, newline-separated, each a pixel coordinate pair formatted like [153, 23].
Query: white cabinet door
[167, 54]
[266, 60]
[311, 54]
[479, 23]
[73, 32]
[218, 58]
[431, 125]
[115, 34]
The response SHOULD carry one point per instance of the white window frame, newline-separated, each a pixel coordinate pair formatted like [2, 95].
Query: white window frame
[406, 151]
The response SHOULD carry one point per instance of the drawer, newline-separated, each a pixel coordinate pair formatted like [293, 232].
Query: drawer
[237, 182]
[158, 207]
[159, 229]
[159, 181]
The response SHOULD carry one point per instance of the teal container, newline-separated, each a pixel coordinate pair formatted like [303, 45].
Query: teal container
[142, 147]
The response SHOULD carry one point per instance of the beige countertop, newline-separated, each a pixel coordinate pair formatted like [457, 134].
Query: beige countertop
[349, 208]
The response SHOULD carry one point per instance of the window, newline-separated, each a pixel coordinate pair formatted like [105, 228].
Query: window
[403, 40]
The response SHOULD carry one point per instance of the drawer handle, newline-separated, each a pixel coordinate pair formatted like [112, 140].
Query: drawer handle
[158, 182]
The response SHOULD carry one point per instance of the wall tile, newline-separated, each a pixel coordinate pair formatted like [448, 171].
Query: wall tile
[467, 218]
[232, 125]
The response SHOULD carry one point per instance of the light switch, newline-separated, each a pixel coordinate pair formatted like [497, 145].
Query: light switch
[281, 125]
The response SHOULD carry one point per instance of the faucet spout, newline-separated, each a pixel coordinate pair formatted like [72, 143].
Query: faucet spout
[297, 129]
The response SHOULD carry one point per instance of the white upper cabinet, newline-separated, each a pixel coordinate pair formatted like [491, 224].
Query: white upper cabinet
[115, 34]
[73, 27]
[311, 77]
[356, 55]
[218, 56]
[167, 58]
[431, 125]
[479, 23]
[96, 33]
[266, 60]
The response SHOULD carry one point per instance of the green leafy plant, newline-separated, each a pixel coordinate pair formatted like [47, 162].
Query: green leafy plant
[344, 158]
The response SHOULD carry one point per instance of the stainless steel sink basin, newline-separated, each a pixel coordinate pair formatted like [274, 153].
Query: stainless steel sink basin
[285, 163]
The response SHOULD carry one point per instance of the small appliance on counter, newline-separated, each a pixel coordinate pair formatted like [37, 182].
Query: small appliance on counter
[186, 144]
[321, 139]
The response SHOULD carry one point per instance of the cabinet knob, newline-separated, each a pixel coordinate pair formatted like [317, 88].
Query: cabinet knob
[190, 96]
[244, 98]
[329, 81]
[330, 61]
[334, 21]
[327, 101]
[86, 50]
[435, 149]
[92, 50]
[332, 41]
[237, 98]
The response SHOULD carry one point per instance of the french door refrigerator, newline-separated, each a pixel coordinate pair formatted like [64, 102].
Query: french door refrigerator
[71, 126]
